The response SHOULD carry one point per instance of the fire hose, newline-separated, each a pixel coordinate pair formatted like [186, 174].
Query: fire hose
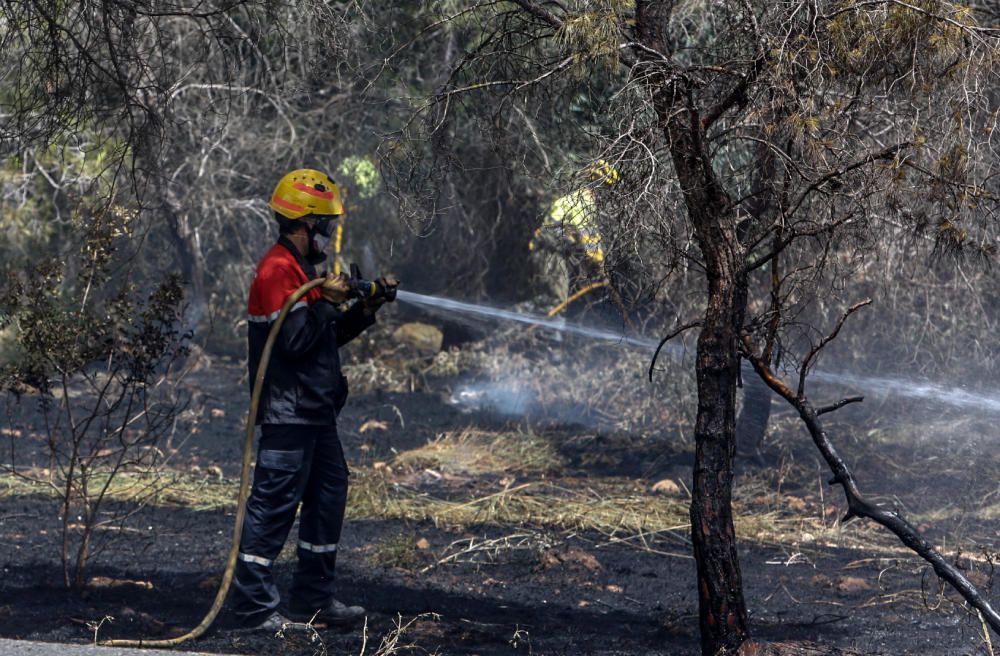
[360, 288]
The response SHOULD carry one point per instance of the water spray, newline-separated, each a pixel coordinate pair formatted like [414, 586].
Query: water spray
[876, 385]
[914, 389]
[474, 309]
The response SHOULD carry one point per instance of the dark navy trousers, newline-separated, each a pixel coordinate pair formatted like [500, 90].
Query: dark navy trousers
[296, 464]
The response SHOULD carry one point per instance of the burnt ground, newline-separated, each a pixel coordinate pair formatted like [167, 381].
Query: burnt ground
[535, 588]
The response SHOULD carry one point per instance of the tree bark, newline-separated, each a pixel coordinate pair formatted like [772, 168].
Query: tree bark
[754, 416]
[722, 609]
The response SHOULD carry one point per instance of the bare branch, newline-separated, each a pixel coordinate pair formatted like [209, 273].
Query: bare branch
[516, 84]
[737, 95]
[784, 242]
[539, 12]
[886, 153]
[804, 369]
[677, 331]
[839, 404]
[860, 507]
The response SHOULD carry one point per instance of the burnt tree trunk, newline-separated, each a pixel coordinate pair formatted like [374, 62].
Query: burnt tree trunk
[722, 609]
[754, 416]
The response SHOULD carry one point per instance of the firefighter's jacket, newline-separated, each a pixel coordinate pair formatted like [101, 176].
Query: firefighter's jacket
[304, 384]
[571, 220]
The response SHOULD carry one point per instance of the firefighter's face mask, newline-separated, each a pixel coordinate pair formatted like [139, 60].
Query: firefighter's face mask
[319, 239]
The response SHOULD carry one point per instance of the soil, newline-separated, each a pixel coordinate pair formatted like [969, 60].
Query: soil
[545, 591]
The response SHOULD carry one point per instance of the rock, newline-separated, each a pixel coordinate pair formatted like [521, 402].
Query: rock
[421, 336]
[667, 487]
[821, 580]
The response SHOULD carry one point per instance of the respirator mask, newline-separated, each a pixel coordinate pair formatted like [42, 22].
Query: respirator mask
[319, 240]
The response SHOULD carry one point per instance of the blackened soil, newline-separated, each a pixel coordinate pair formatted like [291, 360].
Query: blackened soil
[561, 595]
[527, 590]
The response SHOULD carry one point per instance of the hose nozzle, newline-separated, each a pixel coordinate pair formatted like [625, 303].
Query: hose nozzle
[369, 289]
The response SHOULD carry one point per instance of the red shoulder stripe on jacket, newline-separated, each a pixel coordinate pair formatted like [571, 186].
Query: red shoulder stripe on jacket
[278, 276]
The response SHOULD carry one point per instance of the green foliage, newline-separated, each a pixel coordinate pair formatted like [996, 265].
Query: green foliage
[89, 342]
[362, 174]
[130, 334]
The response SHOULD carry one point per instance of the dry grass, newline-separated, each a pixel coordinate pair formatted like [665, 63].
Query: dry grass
[478, 452]
[394, 551]
[619, 510]
[167, 488]
[622, 510]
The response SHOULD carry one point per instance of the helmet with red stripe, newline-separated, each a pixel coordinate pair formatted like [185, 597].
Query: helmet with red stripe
[306, 191]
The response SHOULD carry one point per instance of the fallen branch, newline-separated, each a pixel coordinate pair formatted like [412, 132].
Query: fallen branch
[857, 505]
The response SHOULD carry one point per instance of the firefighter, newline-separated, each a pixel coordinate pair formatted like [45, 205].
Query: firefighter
[300, 460]
[567, 247]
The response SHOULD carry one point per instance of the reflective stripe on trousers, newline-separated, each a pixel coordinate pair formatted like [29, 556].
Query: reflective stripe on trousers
[295, 465]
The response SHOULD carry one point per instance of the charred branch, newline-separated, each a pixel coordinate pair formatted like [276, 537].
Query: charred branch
[775, 323]
[857, 505]
[839, 404]
[737, 96]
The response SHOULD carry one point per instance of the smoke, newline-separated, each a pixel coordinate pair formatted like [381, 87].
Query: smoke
[504, 398]
[512, 398]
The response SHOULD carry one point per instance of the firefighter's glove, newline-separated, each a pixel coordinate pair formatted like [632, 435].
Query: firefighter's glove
[335, 288]
[388, 284]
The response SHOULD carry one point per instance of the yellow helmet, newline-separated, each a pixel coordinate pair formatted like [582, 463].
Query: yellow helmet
[603, 172]
[306, 191]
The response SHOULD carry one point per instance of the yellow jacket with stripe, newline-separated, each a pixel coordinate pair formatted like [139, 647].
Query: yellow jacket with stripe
[573, 218]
